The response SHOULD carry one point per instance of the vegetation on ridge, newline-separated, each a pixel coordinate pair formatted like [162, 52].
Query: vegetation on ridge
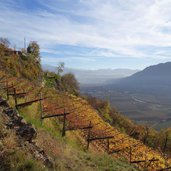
[62, 96]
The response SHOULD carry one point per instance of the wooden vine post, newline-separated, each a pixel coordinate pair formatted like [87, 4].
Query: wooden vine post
[108, 145]
[15, 98]
[41, 108]
[88, 136]
[28, 103]
[7, 91]
[90, 139]
[56, 115]
[165, 143]
[64, 124]
[146, 136]
[130, 155]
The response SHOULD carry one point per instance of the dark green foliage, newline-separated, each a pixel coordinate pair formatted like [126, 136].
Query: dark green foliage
[50, 79]
[65, 83]
[60, 68]
[70, 84]
[33, 51]
[4, 43]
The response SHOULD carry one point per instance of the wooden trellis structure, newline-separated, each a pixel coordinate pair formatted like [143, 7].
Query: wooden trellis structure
[148, 161]
[166, 142]
[64, 114]
[88, 128]
[91, 138]
[58, 115]
[11, 91]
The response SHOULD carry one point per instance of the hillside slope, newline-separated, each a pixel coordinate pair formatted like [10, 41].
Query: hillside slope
[55, 113]
[19, 154]
[20, 83]
[81, 113]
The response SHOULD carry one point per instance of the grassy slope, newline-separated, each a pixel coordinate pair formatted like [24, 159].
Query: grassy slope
[32, 114]
[72, 145]
[67, 152]
[13, 156]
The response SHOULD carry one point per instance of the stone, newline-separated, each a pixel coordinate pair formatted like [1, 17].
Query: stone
[9, 111]
[48, 163]
[3, 103]
[27, 132]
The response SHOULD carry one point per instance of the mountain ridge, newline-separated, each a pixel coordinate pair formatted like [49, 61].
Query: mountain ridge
[151, 79]
[98, 76]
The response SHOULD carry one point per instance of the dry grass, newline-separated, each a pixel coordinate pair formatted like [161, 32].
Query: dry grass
[10, 141]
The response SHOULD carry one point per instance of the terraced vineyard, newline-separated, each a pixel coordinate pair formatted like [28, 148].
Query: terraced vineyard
[75, 114]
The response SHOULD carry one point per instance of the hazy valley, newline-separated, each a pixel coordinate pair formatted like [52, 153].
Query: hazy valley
[95, 77]
[144, 97]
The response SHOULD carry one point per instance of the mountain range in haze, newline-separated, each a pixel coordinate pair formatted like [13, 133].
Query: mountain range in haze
[144, 96]
[154, 79]
[95, 77]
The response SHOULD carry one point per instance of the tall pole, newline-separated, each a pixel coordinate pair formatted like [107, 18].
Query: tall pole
[64, 124]
[130, 153]
[7, 90]
[24, 43]
[88, 136]
[108, 145]
[15, 98]
[165, 143]
[41, 108]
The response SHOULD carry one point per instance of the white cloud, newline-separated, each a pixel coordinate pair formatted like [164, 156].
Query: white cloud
[118, 26]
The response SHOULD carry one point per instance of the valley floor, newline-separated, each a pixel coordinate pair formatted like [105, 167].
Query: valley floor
[142, 108]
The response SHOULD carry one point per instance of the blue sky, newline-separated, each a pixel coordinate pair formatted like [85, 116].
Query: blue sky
[91, 34]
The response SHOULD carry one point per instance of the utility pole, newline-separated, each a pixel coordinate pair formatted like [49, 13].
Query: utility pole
[24, 43]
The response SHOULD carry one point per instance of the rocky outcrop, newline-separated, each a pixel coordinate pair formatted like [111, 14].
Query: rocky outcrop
[26, 133]
[3, 102]
[23, 129]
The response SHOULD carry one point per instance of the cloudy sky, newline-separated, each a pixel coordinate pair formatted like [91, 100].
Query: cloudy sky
[91, 34]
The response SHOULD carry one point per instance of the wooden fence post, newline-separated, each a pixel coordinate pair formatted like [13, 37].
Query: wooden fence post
[108, 145]
[88, 136]
[41, 108]
[7, 90]
[146, 136]
[165, 143]
[130, 155]
[64, 124]
[15, 98]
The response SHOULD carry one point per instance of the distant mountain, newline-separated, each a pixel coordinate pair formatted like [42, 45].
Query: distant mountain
[153, 79]
[95, 77]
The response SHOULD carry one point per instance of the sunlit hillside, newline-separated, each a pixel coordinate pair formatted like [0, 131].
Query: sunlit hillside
[68, 127]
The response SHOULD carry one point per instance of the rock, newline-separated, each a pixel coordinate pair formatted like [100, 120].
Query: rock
[3, 103]
[40, 154]
[23, 122]
[10, 125]
[9, 111]
[16, 123]
[48, 163]
[27, 132]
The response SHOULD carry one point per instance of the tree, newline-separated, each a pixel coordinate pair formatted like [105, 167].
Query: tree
[60, 68]
[4, 46]
[70, 83]
[4, 42]
[34, 50]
